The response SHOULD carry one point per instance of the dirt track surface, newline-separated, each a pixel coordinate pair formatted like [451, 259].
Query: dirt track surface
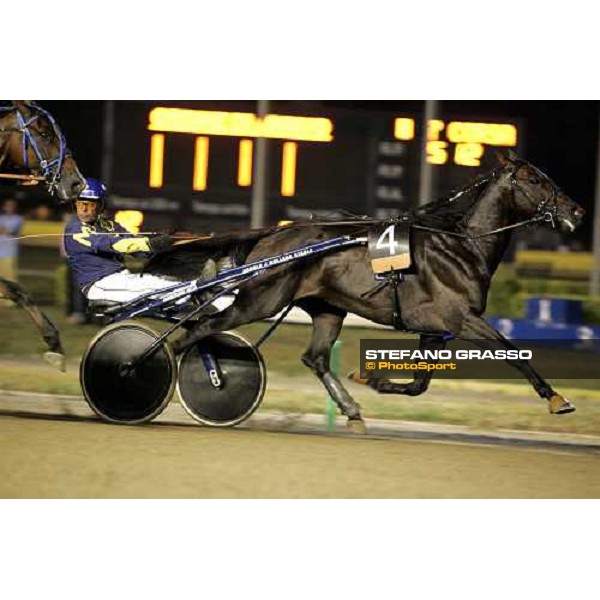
[82, 458]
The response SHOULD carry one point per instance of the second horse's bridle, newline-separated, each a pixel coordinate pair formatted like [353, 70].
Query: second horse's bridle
[50, 168]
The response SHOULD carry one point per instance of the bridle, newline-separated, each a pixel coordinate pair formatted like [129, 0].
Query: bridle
[50, 168]
[546, 211]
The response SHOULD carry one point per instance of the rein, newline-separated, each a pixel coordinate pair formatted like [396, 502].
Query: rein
[49, 235]
[546, 212]
[34, 179]
[547, 217]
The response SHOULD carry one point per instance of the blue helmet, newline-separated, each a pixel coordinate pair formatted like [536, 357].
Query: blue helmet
[94, 190]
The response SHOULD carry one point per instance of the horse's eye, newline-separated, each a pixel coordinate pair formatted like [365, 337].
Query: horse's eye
[535, 180]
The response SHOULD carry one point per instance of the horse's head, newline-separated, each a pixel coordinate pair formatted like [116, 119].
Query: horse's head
[537, 197]
[34, 142]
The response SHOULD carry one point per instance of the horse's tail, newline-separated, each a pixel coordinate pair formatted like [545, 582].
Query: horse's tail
[185, 260]
[10, 290]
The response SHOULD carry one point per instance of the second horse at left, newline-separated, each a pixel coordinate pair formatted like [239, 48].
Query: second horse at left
[31, 142]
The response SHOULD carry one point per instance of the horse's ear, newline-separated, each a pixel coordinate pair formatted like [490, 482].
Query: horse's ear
[21, 105]
[507, 158]
[512, 156]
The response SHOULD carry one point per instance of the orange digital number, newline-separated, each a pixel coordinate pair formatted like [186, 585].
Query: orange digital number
[468, 154]
[437, 153]
[434, 129]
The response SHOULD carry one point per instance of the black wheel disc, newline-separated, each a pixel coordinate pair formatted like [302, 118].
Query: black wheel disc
[113, 393]
[243, 385]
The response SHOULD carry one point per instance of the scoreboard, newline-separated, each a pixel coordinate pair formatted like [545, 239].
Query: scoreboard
[190, 165]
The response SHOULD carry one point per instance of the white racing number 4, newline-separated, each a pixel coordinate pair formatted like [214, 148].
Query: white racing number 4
[387, 240]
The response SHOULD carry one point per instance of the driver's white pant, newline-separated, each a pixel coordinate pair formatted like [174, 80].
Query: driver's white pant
[124, 286]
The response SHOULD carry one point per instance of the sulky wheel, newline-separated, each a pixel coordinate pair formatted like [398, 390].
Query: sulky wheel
[124, 396]
[231, 392]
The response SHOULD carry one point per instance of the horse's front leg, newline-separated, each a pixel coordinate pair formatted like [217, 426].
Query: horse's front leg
[54, 355]
[421, 379]
[478, 331]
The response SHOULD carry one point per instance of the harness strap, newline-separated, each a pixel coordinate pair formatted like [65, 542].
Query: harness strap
[265, 336]
[374, 289]
[394, 278]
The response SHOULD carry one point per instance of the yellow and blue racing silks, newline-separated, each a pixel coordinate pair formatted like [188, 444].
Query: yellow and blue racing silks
[95, 251]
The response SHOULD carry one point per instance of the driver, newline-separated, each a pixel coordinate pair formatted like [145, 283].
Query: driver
[95, 247]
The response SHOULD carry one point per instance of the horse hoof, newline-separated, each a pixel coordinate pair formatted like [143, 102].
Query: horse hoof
[357, 426]
[557, 405]
[355, 376]
[56, 359]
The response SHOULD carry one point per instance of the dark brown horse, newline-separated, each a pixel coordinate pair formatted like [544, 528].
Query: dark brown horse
[31, 142]
[457, 245]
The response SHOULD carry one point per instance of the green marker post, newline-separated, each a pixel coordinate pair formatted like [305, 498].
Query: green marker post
[330, 405]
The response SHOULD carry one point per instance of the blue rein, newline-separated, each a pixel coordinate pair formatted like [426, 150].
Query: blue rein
[50, 168]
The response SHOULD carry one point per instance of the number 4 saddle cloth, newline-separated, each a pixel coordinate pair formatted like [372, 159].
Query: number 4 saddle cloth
[389, 247]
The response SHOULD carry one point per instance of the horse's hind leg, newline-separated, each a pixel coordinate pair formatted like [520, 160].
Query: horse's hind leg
[327, 323]
[54, 355]
[421, 379]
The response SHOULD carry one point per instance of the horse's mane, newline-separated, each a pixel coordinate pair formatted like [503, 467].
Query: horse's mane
[447, 212]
